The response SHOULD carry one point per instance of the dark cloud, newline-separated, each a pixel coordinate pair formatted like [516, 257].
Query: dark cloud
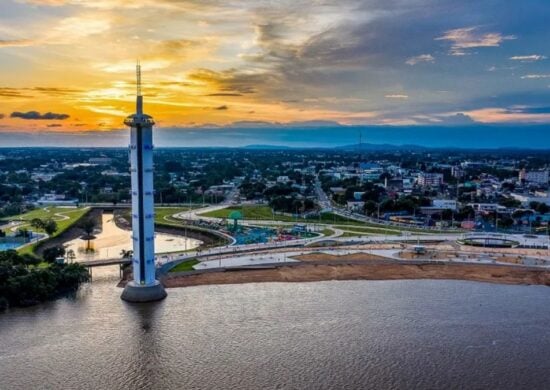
[12, 93]
[175, 83]
[2, 116]
[54, 125]
[29, 92]
[232, 80]
[56, 91]
[35, 115]
[224, 107]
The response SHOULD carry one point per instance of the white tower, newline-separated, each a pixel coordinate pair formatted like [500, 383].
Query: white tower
[144, 287]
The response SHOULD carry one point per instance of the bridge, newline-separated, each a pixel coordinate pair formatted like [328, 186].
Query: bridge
[105, 262]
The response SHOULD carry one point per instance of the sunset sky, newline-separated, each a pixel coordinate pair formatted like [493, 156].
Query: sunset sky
[67, 66]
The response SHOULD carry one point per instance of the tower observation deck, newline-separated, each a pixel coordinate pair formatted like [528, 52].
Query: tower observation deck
[144, 287]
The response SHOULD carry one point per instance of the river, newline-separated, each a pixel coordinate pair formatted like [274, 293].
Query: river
[323, 335]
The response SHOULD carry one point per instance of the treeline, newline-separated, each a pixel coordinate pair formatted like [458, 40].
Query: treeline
[26, 281]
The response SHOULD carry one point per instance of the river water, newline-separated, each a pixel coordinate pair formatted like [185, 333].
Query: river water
[323, 335]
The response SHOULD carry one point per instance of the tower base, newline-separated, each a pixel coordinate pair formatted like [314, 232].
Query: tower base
[137, 293]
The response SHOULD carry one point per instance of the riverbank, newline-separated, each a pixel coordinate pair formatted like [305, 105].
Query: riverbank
[313, 271]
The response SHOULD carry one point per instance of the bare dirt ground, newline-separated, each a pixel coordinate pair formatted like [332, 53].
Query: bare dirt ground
[369, 270]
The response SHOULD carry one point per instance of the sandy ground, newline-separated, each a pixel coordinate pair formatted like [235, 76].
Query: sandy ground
[112, 240]
[368, 270]
[332, 257]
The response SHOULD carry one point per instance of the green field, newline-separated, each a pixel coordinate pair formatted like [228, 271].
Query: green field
[63, 216]
[327, 232]
[369, 231]
[248, 212]
[264, 213]
[164, 214]
[185, 266]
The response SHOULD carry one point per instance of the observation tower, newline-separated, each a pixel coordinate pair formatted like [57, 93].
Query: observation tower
[144, 287]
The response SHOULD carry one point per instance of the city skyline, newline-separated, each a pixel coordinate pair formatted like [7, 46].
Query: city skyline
[66, 65]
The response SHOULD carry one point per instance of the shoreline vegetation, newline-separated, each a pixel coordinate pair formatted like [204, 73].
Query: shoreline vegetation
[26, 280]
[373, 269]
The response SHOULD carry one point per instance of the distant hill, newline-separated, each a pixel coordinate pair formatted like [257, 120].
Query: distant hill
[379, 147]
[266, 147]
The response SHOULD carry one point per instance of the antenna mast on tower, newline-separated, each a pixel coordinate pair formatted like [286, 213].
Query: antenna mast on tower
[138, 73]
[139, 99]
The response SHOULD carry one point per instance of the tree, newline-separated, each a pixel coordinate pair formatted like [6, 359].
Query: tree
[37, 223]
[71, 256]
[370, 207]
[88, 225]
[126, 254]
[50, 254]
[50, 226]
[23, 232]
[31, 260]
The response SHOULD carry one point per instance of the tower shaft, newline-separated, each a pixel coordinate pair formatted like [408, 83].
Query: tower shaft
[144, 287]
[143, 212]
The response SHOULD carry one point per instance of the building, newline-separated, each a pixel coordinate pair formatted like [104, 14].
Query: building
[487, 207]
[54, 199]
[430, 179]
[370, 171]
[539, 177]
[526, 199]
[144, 287]
[449, 204]
[457, 172]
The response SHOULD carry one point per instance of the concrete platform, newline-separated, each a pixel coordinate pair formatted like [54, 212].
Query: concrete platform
[137, 293]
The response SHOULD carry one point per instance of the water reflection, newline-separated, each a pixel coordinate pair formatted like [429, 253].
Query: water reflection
[355, 334]
[112, 240]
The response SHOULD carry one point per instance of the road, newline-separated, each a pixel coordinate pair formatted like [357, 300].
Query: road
[326, 204]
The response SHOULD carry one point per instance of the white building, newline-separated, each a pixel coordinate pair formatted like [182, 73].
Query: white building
[539, 177]
[487, 207]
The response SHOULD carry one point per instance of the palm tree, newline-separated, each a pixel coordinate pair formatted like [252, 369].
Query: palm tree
[71, 256]
[88, 225]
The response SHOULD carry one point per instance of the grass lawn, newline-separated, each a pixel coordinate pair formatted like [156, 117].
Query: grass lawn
[369, 232]
[264, 213]
[164, 214]
[327, 232]
[73, 214]
[64, 217]
[185, 266]
[248, 212]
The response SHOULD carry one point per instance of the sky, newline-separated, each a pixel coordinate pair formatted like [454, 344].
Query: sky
[67, 67]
